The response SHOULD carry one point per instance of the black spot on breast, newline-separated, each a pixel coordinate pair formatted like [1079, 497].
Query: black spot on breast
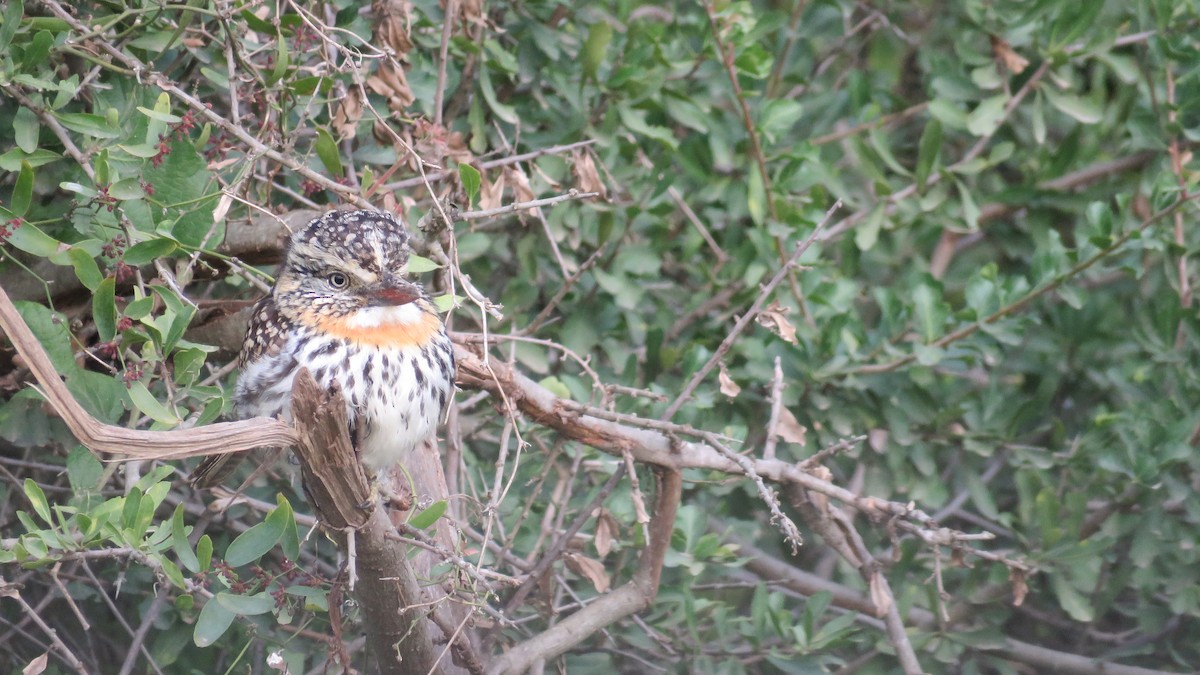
[419, 373]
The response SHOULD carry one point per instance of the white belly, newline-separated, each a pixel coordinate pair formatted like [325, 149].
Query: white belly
[394, 396]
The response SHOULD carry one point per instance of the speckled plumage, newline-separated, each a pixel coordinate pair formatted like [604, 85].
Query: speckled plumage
[341, 308]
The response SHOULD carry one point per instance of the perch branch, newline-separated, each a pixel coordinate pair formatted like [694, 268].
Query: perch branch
[214, 439]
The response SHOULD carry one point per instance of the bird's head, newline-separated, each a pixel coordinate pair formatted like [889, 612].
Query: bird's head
[343, 271]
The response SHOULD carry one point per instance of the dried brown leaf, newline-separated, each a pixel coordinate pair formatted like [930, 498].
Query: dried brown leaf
[393, 24]
[588, 178]
[347, 114]
[36, 666]
[728, 386]
[1020, 586]
[774, 318]
[606, 531]
[490, 192]
[390, 82]
[789, 428]
[592, 570]
[881, 597]
[1004, 53]
[522, 192]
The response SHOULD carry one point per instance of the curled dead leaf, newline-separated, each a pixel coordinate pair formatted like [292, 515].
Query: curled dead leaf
[606, 532]
[588, 177]
[881, 595]
[1020, 585]
[36, 666]
[393, 24]
[1004, 53]
[490, 192]
[728, 386]
[774, 318]
[348, 113]
[522, 192]
[789, 429]
[592, 570]
[390, 82]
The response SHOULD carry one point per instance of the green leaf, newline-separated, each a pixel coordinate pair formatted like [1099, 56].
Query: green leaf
[148, 251]
[555, 386]
[756, 197]
[306, 86]
[419, 265]
[88, 124]
[204, 549]
[103, 309]
[26, 128]
[84, 471]
[929, 311]
[969, 207]
[282, 59]
[180, 543]
[131, 510]
[183, 182]
[102, 169]
[867, 233]
[212, 623]
[247, 605]
[1071, 600]
[428, 516]
[37, 499]
[634, 119]
[161, 116]
[471, 180]
[11, 160]
[290, 541]
[30, 239]
[255, 542]
[13, 12]
[100, 394]
[127, 189]
[1081, 109]
[505, 112]
[144, 401]
[327, 150]
[595, 46]
[51, 330]
[85, 268]
[22, 194]
[927, 151]
[987, 116]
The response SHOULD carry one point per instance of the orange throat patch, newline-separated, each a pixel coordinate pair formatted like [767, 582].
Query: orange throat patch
[388, 335]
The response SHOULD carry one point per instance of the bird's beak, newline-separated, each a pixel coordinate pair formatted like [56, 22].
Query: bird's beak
[391, 293]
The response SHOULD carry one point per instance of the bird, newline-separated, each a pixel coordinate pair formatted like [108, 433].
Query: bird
[341, 308]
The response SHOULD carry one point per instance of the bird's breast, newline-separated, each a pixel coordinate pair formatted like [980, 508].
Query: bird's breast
[410, 325]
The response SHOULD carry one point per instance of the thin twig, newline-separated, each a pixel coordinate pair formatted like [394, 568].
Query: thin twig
[8, 590]
[434, 176]
[521, 206]
[776, 398]
[741, 324]
[791, 533]
[563, 288]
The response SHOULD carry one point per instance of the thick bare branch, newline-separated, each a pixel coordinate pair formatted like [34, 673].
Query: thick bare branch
[214, 439]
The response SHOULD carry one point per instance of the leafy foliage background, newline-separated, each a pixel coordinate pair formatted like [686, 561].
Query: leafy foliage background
[1003, 307]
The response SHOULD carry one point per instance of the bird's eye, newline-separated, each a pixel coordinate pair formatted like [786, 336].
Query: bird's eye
[339, 280]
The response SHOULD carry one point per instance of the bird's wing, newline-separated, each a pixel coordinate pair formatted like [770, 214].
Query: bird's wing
[265, 338]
